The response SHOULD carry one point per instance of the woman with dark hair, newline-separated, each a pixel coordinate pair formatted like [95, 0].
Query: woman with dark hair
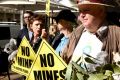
[66, 20]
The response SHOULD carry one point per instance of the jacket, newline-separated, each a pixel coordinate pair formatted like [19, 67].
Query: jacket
[23, 32]
[57, 40]
[110, 39]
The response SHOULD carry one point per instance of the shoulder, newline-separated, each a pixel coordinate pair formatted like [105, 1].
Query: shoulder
[23, 30]
[114, 28]
[114, 31]
[78, 31]
[59, 36]
[80, 27]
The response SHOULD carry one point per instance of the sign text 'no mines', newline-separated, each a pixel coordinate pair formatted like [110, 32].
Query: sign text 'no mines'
[47, 65]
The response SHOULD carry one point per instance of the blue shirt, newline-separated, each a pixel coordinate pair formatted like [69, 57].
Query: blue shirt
[62, 44]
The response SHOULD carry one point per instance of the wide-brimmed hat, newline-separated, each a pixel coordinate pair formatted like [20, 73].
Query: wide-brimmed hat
[111, 5]
[108, 3]
[67, 15]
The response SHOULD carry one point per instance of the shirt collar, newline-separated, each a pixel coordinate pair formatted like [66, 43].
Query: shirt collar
[64, 38]
[101, 32]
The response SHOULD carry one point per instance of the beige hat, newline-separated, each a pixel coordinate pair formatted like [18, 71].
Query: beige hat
[95, 2]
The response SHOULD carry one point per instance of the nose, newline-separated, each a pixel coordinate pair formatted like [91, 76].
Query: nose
[82, 14]
[38, 26]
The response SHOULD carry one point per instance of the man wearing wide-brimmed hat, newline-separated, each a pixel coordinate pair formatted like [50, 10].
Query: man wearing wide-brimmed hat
[95, 35]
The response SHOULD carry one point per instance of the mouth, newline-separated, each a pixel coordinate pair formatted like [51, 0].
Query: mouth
[84, 20]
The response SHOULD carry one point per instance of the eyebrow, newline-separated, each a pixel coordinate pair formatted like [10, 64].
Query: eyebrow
[26, 16]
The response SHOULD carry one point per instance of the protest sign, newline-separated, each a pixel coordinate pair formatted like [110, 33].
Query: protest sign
[47, 65]
[24, 58]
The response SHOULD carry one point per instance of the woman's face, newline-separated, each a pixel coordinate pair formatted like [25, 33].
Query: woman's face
[37, 27]
[91, 16]
[62, 25]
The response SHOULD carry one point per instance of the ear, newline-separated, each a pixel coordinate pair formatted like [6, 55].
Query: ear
[13, 41]
[31, 26]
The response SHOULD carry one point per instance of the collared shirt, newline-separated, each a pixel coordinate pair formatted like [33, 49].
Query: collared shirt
[62, 44]
[88, 44]
[30, 34]
[35, 44]
[100, 32]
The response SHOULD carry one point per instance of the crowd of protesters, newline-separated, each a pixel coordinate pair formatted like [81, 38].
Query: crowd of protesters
[98, 31]
[57, 35]
[66, 41]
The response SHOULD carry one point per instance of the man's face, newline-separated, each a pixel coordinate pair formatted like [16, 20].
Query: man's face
[27, 18]
[90, 16]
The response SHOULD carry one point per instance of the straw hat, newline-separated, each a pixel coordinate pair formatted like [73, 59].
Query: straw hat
[108, 3]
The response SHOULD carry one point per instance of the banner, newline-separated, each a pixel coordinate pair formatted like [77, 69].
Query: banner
[47, 65]
[24, 58]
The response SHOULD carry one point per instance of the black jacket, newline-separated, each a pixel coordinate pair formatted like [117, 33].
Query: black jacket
[37, 44]
[57, 40]
[23, 32]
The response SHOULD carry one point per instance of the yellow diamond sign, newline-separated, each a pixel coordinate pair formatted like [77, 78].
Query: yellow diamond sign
[24, 58]
[47, 65]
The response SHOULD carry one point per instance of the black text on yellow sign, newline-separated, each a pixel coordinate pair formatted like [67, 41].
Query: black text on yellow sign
[48, 61]
[24, 58]
[24, 62]
[47, 65]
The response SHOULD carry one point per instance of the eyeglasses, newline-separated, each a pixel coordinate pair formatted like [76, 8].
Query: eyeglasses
[26, 17]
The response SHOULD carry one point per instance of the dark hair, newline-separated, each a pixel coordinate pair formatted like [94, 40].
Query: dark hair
[113, 18]
[67, 15]
[29, 12]
[39, 18]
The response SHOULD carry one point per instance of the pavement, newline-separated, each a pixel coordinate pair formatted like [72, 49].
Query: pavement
[13, 76]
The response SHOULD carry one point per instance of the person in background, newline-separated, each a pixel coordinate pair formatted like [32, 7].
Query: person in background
[26, 31]
[27, 16]
[95, 35]
[53, 32]
[37, 25]
[65, 22]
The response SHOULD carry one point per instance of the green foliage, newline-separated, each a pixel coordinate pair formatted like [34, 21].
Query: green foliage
[102, 72]
[87, 59]
[116, 68]
[98, 76]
